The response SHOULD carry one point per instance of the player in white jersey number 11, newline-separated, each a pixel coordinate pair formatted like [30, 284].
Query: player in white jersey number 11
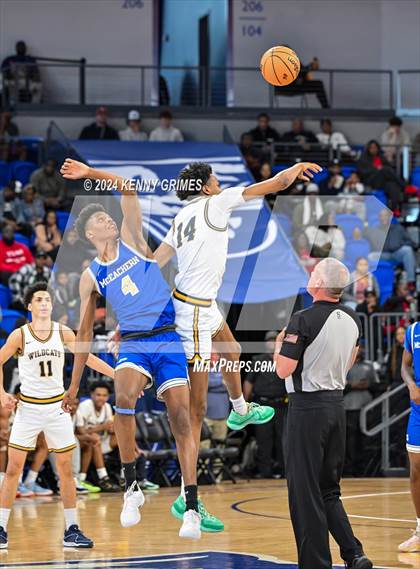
[40, 347]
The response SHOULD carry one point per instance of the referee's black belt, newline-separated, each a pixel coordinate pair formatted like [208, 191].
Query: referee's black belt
[194, 300]
[272, 400]
[147, 334]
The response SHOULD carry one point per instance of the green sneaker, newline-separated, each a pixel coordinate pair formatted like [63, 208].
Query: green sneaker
[89, 487]
[146, 485]
[209, 523]
[257, 415]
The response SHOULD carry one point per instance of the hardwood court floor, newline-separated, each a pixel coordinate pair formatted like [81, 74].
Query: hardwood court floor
[255, 514]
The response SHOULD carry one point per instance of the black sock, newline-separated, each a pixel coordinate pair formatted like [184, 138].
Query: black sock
[129, 470]
[191, 498]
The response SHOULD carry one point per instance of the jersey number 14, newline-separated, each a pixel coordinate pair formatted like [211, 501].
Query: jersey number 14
[188, 233]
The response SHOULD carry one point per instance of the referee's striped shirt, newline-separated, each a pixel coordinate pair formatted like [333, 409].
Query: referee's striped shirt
[322, 338]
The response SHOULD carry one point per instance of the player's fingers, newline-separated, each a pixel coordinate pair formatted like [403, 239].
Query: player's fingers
[304, 178]
[315, 167]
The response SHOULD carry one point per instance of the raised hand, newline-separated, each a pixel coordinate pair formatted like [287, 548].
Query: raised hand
[307, 170]
[74, 170]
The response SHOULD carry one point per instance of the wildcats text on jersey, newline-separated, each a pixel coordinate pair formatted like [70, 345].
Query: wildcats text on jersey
[119, 271]
[44, 352]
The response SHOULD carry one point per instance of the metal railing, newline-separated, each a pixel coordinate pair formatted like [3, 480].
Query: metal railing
[79, 82]
[382, 327]
[408, 92]
[387, 420]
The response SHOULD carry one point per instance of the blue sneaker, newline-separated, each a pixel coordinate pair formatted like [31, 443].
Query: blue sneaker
[73, 537]
[39, 490]
[23, 491]
[3, 538]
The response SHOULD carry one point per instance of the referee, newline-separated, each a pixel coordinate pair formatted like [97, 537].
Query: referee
[314, 354]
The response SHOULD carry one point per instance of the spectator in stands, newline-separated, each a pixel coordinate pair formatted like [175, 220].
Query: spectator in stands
[48, 236]
[377, 172]
[368, 307]
[351, 192]
[401, 299]
[21, 73]
[252, 155]
[309, 211]
[264, 387]
[73, 253]
[394, 135]
[11, 211]
[94, 417]
[356, 395]
[10, 148]
[13, 255]
[394, 359]
[263, 132]
[27, 275]
[394, 242]
[328, 239]
[133, 132]
[49, 185]
[329, 137]
[306, 84]
[64, 293]
[32, 206]
[332, 185]
[100, 129]
[361, 279]
[303, 251]
[299, 135]
[165, 132]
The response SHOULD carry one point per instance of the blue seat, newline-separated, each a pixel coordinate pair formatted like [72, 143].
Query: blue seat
[4, 173]
[5, 296]
[347, 170]
[285, 223]
[356, 248]
[415, 176]
[385, 275]
[348, 222]
[320, 176]
[22, 171]
[62, 220]
[279, 168]
[23, 239]
[381, 196]
[9, 320]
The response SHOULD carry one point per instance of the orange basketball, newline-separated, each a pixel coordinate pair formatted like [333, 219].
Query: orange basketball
[280, 65]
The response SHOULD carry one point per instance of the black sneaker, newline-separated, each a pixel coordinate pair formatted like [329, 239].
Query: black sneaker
[106, 485]
[3, 538]
[73, 537]
[359, 562]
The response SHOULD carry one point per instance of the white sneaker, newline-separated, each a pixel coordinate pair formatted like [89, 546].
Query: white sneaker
[412, 545]
[191, 525]
[133, 500]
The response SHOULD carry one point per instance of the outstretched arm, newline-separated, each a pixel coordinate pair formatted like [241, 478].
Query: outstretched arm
[131, 229]
[92, 361]
[281, 181]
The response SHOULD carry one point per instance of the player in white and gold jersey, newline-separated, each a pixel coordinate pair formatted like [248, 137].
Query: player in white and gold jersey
[40, 347]
[199, 238]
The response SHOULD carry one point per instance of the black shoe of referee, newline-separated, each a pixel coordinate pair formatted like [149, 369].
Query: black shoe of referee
[359, 562]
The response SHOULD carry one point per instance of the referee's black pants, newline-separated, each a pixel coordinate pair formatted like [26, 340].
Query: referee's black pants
[316, 432]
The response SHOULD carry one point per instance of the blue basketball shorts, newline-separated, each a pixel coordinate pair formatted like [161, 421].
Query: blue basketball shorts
[161, 358]
[413, 429]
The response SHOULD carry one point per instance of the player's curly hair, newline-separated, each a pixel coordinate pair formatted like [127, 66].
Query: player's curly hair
[32, 289]
[197, 172]
[100, 384]
[84, 216]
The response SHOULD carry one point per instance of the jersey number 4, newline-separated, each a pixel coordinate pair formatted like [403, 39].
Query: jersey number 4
[45, 368]
[188, 233]
[128, 286]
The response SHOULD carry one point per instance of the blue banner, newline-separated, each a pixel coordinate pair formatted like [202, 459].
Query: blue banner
[261, 263]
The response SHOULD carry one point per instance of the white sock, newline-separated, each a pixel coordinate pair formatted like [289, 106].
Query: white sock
[82, 476]
[102, 473]
[182, 488]
[239, 405]
[418, 524]
[70, 516]
[4, 517]
[31, 477]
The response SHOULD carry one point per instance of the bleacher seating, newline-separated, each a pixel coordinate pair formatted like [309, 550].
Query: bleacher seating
[5, 297]
[20, 170]
[384, 274]
[62, 220]
[356, 248]
[23, 239]
[9, 320]
[415, 176]
[4, 173]
[347, 223]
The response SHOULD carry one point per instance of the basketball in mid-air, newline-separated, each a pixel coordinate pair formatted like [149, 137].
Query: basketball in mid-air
[280, 65]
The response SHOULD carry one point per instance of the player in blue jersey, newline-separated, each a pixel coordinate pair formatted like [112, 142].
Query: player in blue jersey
[410, 372]
[126, 275]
